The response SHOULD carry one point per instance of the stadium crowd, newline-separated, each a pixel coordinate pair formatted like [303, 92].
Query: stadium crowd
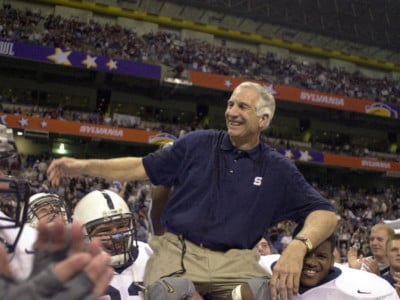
[166, 47]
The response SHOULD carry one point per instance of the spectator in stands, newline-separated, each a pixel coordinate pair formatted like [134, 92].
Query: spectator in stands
[141, 230]
[378, 262]
[393, 255]
[343, 251]
[286, 238]
[219, 217]
[264, 246]
[275, 235]
[168, 48]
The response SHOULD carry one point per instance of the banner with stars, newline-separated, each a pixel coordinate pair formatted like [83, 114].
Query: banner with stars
[146, 136]
[337, 160]
[78, 129]
[78, 59]
[302, 155]
[308, 97]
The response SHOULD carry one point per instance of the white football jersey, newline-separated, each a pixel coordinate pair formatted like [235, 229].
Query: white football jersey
[346, 284]
[127, 284]
[21, 260]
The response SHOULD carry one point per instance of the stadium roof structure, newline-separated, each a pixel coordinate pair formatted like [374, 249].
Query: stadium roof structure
[365, 27]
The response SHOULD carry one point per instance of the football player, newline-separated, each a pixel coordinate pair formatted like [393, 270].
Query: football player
[106, 216]
[14, 200]
[64, 267]
[17, 191]
[322, 279]
[46, 206]
[41, 206]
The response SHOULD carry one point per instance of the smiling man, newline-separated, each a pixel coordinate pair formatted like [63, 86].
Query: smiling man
[322, 279]
[228, 187]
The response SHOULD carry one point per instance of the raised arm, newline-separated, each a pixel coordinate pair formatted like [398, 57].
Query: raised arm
[122, 169]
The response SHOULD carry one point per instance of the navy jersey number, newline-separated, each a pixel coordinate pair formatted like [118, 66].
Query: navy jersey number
[114, 293]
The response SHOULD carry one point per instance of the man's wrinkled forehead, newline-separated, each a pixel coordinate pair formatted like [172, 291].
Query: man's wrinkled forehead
[237, 91]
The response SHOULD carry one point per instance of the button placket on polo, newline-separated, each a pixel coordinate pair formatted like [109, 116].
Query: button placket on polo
[234, 167]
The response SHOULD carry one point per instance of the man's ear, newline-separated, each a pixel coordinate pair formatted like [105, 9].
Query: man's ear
[264, 120]
[333, 259]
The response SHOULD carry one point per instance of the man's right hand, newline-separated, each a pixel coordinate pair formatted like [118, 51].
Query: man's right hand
[64, 167]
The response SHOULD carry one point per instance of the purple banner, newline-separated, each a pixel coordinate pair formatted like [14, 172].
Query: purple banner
[302, 155]
[78, 59]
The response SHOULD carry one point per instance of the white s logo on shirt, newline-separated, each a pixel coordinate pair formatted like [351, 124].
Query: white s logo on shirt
[257, 181]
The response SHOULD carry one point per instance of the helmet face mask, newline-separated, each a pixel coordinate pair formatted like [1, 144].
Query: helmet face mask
[105, 216]
[14, 192]
[46, 206]
[17, 191]
[116, 235]
[9, 158]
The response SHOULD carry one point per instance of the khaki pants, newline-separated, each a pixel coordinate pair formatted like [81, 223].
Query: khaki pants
[213, 273]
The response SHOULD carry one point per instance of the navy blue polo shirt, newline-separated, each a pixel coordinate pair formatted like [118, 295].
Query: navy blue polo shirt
[224, 197]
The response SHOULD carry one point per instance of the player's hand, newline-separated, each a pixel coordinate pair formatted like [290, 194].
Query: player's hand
[97, 270]
[285, 279]
[56, 235]
[73, 261]
[56, 241]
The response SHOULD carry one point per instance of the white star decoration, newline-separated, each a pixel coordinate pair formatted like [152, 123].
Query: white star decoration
[228, 83]
[112, 64]
[270, 88]
[43, 124]
[23, 122]
[60, 57]
[304, 156]
[90, 61]
[288, 153]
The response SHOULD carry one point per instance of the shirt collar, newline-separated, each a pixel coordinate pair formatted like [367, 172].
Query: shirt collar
[253, 153]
